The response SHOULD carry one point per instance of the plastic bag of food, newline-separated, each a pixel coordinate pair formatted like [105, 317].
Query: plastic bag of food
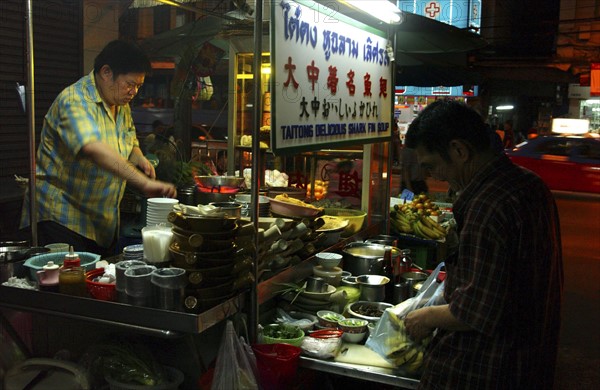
[390, 340]
[322, 344]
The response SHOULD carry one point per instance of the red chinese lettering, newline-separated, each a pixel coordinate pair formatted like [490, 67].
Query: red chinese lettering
[332, 80]
[313, 73]
[350, 83]
[367, 83]
[382, 87]
[290, 67]
[349, 185]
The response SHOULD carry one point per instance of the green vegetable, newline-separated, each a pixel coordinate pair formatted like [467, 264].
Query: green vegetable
[282, 331]
[331, 317]
[290, 288]
[353, 322]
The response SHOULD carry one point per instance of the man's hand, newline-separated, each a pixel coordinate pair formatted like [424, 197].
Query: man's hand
[138, 159]
[146, 167]
[156, 188]
[416, 323]
[422, 322]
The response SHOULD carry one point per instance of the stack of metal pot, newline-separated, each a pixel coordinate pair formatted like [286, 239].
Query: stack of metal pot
[216, 268]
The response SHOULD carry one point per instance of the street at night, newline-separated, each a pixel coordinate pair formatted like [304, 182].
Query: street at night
[579, 353]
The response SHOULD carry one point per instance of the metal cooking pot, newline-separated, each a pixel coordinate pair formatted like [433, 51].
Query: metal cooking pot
[10, 254]
[362, 258]
[409, 281]
[12, 259]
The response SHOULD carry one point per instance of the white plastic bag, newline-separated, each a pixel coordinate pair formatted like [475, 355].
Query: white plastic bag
[234, 368]
[390, 339]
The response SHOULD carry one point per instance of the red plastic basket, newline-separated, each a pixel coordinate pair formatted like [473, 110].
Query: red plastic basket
[101, 291]
[277, 365]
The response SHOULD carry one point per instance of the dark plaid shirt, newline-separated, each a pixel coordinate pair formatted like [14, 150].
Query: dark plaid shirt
[505, 282]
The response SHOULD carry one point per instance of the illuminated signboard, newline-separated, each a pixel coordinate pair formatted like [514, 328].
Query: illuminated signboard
[461, 90]
[458, 13]
[331, 79]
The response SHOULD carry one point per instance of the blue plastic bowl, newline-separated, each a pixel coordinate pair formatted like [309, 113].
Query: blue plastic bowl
[35, 263]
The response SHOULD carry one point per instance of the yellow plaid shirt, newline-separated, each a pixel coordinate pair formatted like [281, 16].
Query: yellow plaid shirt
[71, 190]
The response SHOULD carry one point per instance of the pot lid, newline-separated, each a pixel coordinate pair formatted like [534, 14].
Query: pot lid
[50, 266]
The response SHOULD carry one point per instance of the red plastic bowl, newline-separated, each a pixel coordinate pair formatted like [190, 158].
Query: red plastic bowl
[100, 291]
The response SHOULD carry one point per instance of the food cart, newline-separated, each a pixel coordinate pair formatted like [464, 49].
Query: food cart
[355, 88]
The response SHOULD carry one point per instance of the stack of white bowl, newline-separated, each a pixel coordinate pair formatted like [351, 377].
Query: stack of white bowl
[158, 210]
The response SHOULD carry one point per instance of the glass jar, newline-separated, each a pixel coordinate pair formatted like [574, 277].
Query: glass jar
[71, 281]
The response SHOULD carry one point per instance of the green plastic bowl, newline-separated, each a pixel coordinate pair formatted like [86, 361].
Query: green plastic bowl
[288, 328]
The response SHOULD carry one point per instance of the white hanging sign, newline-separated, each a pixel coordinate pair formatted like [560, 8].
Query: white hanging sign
[331, 79]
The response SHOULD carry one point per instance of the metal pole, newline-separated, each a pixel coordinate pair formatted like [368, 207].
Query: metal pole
[390, 166]
[256, 161]
[30, 111]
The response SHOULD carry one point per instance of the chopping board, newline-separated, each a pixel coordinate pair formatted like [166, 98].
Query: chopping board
[360, 354]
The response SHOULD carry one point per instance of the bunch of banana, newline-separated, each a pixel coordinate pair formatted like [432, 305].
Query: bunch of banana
[415, 365]
[405, 220]
[402, 222]
[427, 228]
[402, 351]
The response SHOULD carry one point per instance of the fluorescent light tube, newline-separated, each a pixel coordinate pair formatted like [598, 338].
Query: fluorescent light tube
[381, 9]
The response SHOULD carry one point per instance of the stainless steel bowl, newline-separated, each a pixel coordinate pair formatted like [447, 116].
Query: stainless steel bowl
[354, 310]
[372, 287]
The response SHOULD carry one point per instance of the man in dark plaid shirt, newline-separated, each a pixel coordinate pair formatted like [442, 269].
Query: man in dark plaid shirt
[500, 326]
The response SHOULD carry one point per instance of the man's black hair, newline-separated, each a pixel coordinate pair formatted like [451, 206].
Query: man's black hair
[443, 121]
[123, 57]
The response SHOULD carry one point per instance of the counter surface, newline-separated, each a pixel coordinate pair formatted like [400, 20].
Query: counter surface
[386, 376]
[161, 322]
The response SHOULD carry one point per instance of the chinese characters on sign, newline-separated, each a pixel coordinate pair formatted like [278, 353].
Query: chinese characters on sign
[331, 79]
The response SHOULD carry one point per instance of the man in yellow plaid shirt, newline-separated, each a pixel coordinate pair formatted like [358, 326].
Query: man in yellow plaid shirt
[88, 151]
